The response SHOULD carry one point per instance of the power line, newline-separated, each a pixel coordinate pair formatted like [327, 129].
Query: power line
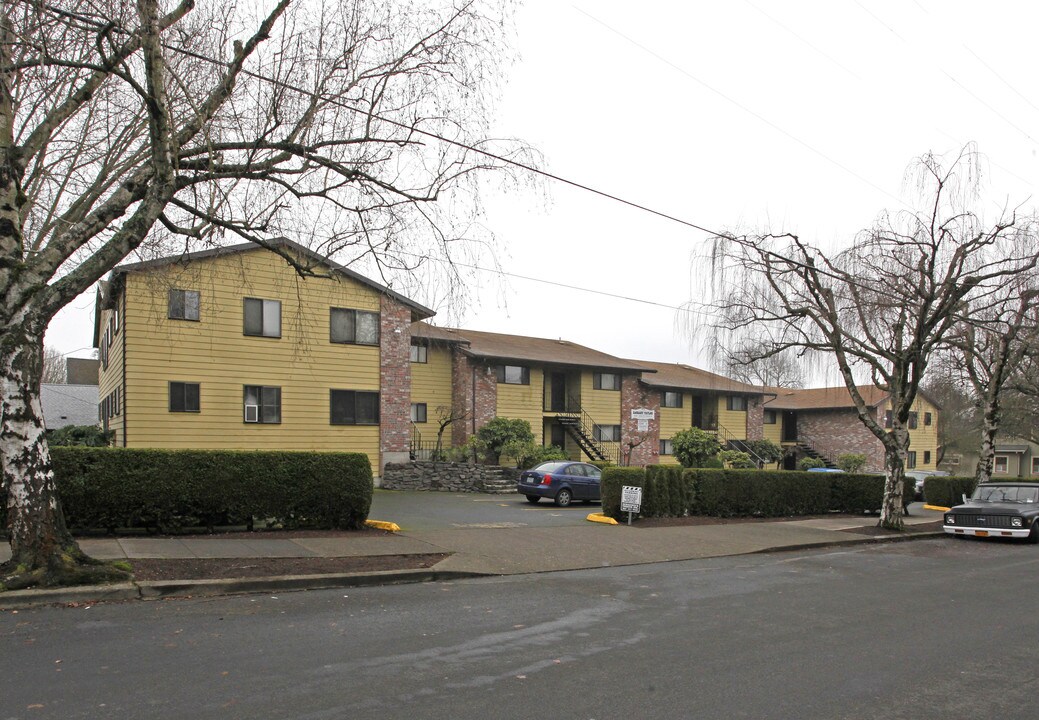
[742, 107]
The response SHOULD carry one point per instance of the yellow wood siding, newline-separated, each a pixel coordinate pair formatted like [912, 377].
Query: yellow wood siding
[732, 421]
[431, 384]
[604, 406]
[774, 432]
[215, 353]
[925, 437]
[673, 420]
[110, 378]
[525, 402]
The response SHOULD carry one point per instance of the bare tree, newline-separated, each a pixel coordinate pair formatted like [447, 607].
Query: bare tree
[53, 366]
[989, 347]
[151, 127]
[755, 368]
[879, 309]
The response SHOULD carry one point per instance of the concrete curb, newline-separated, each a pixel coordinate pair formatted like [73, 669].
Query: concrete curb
[155, 589]
[14, 599]
[877, 540]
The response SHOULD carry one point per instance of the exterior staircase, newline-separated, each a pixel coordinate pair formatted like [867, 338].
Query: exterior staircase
[579, 426]
[808, 450]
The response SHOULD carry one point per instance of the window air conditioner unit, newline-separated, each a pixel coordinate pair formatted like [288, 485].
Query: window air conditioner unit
[252, 413]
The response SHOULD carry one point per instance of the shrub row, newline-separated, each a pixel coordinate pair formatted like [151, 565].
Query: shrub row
[670, 491]
[947, 490]
[167, 489]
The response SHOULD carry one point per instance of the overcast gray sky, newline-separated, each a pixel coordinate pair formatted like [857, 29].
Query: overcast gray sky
[798, 116]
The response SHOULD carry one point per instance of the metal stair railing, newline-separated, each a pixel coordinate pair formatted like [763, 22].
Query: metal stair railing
[726, 437]
[580, 424]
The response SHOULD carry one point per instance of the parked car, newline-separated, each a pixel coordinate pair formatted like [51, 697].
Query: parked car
[997, 509]
[563, 482]
[918, 477]
[825, 470]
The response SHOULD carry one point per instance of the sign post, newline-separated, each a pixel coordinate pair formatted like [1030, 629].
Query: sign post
[631, 500]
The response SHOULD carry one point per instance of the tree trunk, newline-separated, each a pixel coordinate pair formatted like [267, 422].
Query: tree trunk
[43, 551]
[987, 454]
[895, 451]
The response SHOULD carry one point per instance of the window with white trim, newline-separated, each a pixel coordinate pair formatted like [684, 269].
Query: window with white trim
[606, 381]
[735, 402]
[666, 448]
[419, 353]
[607, 433]
[1001, 465]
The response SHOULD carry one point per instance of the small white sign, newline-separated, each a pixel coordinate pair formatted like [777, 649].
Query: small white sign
[643, 414]
[631, 498]
[642, 425]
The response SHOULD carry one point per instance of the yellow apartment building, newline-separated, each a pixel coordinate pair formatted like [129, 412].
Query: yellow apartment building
[233, 348]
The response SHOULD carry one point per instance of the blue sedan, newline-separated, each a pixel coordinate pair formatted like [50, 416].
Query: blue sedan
[563, 482]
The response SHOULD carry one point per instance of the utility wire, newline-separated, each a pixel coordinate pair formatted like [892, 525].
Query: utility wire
[744, 108]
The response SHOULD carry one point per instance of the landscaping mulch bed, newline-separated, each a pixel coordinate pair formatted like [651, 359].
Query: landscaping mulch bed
[222, 568]
[234, 533]
[710, 520]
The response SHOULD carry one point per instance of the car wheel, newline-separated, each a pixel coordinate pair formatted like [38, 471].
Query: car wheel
[564, 497]
[1033, 535]
[533, 499]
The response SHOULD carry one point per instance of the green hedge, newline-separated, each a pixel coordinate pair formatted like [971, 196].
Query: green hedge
[167, 489]
[767, 493]
[671, 491]
[947, 490]
[613, 478]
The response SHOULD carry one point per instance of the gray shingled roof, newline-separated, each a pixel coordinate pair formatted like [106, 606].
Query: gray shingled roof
[68, 405]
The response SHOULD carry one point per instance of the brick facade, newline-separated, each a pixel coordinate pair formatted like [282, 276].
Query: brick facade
[635, 395]
[837, 432]
[474, 396]
[756, 417]
[394, 381]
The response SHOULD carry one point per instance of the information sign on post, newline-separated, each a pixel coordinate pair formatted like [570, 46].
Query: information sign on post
[631, 500]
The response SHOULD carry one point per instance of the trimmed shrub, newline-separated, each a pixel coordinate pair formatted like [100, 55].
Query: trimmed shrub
[669, 490]
[168, 489]
[854, 493]
[806, 463]
[693, 446]
[851, 462]
[613, 479]
[90, 435]
[764, 449]
[731, 493]
[947, 490]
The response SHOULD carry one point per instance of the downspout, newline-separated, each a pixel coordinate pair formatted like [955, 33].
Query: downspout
[473, 399]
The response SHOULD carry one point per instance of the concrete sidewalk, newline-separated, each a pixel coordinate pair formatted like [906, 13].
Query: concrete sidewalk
[473, 550]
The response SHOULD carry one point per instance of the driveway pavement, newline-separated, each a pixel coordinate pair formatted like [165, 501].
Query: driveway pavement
[421, 511]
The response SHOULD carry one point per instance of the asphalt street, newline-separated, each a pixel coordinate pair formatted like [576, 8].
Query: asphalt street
[916, 630]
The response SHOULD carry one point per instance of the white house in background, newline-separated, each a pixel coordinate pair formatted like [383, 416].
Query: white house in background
[68, 405]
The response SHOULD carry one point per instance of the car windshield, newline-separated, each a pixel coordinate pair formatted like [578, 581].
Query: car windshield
[551, 467]
[1006, 494]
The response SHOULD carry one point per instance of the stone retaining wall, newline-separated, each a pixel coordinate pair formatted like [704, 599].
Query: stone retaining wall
[449, 477]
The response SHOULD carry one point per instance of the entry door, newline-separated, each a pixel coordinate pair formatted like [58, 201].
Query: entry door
[698, 411]
[789, 426]
[558, 399]
[558, 436]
